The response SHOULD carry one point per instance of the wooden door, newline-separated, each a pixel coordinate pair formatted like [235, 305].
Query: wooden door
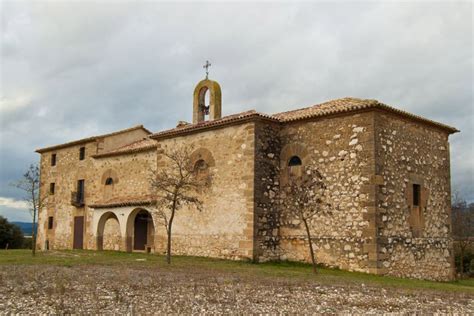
[141, 231]
[78, 232]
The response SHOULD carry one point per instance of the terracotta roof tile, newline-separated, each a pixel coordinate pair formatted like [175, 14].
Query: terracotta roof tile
[329, 107]
[127, 201]
[348, 105]
[91, 139]
[141, 145]
[323, 109]
[208, 124]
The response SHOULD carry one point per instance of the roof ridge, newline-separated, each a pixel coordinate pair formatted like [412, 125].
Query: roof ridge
[133, 142]
[124, 131]
[349, 104]
[93, 138]
[128, 148]
[322, 103]
[217, 122]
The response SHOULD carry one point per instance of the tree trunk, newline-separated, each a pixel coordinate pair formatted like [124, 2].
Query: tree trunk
[168, 250]
[462, 247]
[33, 234]
[313, 260]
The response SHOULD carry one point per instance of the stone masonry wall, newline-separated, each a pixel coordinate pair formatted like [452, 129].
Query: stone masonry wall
[373, 164]
[413, 241]
[342, 149]
[112, 237]
[224, 228]
[65, 174]
[267, 170]
[130, 174]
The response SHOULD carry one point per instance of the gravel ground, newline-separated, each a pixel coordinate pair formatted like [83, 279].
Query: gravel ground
[141, 290]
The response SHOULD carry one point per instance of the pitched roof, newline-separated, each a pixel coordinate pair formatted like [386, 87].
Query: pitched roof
[349, 105]
[319, 110]
[141, 145]
[226, 120]
[121, 202]
[327, 108]
[92, 138]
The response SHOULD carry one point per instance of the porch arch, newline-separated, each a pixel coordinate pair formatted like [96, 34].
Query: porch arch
[108, 228]
[140, 230]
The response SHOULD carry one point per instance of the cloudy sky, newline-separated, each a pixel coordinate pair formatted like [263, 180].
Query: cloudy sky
[79, 68]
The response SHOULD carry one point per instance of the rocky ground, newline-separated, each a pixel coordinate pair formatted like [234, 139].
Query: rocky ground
[144, 290]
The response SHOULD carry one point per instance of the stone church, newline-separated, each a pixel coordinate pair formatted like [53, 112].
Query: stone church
[387, 174]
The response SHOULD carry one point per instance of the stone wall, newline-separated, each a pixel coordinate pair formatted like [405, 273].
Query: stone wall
[105, 144]
[370, 162]
[267, 186]
[130, 173]
[414, 241]
[65, 174]
[112, 238]
[224, 228]
[342, 149]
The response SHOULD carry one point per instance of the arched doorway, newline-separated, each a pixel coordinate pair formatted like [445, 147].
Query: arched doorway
[108, 232]
[140, 231]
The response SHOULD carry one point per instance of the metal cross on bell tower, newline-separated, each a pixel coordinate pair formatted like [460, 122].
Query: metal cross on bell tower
[206, 66]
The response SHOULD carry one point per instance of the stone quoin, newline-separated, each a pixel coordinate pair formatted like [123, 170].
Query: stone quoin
[387, 174]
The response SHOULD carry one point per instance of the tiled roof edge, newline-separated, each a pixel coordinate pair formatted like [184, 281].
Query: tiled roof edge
[125, 152]
[123, 204]
[213, 124]
[91, 139]
[372, 105]
[388, 108]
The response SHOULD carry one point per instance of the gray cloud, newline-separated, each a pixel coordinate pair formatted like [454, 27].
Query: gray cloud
[74, 69]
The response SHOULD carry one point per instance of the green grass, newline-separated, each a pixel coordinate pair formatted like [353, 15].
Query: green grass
[282, 270]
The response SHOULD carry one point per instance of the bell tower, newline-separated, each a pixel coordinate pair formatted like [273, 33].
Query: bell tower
[200, 109]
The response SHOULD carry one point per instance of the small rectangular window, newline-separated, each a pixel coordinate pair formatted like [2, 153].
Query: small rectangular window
[416, 194]
[80, 191]
[53, 160]
[51, 188]
[50, 222]
[82, 153]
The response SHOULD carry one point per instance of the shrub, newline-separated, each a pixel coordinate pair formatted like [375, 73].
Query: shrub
[467, 266]
[27, 243]
[11, 235]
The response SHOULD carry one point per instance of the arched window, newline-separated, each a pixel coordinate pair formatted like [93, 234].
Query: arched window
[109, 181]
[294, 161]
[294, 166]
[201, 168]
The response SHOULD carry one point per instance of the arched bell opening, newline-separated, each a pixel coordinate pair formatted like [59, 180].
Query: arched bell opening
[204, 104]
[207, 101]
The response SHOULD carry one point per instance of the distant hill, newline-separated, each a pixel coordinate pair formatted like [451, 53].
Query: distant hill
[25, 227]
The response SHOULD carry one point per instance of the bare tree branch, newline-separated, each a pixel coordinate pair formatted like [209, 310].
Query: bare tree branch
[303, 198]
[177, 185]
[463, 225]
[30, 185]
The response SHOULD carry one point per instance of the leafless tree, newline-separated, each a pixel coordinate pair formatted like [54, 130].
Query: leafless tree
[179, 183]
[30, 185]
[303, 198]
[463, 225]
